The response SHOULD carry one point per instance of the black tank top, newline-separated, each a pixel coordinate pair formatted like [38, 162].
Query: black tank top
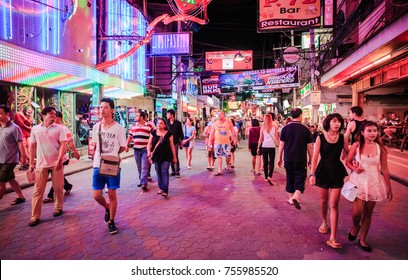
[356, 130]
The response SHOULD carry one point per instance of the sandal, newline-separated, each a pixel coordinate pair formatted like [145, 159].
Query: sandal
[297, 204]
[334, 244]
[18, 200]
[323, 228]
[159, 191]
[67, 192]
[47, 200]
[218, 174]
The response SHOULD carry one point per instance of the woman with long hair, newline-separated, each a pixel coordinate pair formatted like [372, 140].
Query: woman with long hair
[188, 142]
[269, 141]
[329, 174]
[371, 176]
[253, 139]
[161, 152]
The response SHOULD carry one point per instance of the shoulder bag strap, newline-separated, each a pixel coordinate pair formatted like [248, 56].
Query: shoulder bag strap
[158, 143]
[100, 138]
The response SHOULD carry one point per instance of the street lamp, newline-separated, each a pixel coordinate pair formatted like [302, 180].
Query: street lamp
[239, 56]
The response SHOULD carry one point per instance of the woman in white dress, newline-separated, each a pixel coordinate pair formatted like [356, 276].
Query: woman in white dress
[371, 176]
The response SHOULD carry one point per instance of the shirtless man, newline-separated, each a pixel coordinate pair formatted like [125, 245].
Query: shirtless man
[221, 133]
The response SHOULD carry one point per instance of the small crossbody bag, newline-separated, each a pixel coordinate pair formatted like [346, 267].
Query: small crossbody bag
[109, 165]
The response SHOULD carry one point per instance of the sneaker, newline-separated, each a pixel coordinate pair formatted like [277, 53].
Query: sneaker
[178, 175]
[107, 215]
[112, 228]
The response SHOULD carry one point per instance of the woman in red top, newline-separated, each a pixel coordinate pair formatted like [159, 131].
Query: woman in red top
[25, 122]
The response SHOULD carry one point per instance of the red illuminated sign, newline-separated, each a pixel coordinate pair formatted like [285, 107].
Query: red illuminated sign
[288, 14]
[228, 60]
[187, 6]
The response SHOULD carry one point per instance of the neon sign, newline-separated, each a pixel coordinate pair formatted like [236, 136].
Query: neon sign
[171, 43]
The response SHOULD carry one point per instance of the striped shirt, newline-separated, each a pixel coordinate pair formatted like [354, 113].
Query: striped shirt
[140, 134]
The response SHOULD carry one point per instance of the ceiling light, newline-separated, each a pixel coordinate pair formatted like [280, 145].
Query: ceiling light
[239, 56]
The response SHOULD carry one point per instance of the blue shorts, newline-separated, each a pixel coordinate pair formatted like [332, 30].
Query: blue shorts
[98, 181]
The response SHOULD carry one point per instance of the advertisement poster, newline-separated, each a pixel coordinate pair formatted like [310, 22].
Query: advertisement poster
[228, 60]
[210, 84]
[275, 15]
[264, 80]
[93, 119]
[274, 78]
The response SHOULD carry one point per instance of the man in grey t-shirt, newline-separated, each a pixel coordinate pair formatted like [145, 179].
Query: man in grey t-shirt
[11, 143]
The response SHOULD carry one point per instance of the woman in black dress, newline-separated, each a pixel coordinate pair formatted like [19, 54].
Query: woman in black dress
[161, 152]
[330, 172]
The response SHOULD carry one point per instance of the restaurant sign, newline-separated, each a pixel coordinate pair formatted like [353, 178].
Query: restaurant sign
[275, 15]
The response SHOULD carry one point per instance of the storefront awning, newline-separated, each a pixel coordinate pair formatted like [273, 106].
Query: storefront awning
[387, 46]
[22, 66]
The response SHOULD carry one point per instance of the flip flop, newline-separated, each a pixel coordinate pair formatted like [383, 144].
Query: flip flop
[18, 200]
[334, 244]
[270, 182]
[289, 201]
[297, 204]
[323, 229]
[47, 200]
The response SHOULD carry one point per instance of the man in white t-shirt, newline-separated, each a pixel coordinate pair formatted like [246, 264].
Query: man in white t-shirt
[47, 142]
[71, 145]
[113, 137]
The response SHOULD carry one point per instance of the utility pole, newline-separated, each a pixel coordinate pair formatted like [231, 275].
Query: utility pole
[312, 75]
[178, 83]
[292, 40]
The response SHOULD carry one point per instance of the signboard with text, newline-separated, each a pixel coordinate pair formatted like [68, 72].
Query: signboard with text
[274, 78]
[275, 15]
[227, 60]
[210, 84]
[171, 44]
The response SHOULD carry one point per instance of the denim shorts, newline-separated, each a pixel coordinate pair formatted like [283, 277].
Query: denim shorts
[99, 181]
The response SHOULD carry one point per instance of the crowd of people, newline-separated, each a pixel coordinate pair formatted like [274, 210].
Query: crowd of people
[299, 148]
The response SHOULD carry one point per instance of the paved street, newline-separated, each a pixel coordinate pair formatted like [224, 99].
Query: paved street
[235, 216]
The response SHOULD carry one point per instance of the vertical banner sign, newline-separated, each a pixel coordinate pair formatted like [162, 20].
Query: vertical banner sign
[275, 15]
[328, 14]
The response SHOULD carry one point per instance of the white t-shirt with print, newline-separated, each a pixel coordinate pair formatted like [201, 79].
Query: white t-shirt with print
[112, 139]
